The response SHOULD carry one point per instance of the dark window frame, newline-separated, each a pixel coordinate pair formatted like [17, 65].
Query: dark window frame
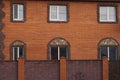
[24, 10]
[107, 5]
[59, 4]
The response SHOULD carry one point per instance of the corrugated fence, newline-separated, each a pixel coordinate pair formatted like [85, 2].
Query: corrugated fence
[50, 70]
[42, 70]
[114, 70]
[8, 70]
[84, 70]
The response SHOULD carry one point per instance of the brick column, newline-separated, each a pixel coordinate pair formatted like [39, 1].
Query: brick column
[63, 70]
[105, 68]
[20, 69]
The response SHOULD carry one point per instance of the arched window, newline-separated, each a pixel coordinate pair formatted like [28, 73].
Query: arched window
[108, 47]
[58, 48]
[17, 50]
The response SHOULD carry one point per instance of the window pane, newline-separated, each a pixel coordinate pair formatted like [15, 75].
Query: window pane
[15, 53]
[103, 51]
[63, 52]
[54, 53]
[62, 13]
[21, 12]
[15, 11]
[53, 12]
[103, 13]
[21, 52]
[112, 13]
[113, 53]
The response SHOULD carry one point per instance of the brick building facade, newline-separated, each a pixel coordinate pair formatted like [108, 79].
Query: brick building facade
[50, 29]
[83, 29]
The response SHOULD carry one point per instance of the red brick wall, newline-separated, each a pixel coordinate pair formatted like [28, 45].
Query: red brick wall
[83, 31]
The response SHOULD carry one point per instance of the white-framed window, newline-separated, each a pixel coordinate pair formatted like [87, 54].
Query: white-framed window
[58, 47]
[109, 51]
[18, 12]
[107, 14]
[108, 47]
[58, 13]
[56, 52]
[17, 52]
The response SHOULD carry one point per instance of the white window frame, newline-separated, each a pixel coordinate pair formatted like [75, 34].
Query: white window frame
[18, 15]
[108, 53]
[108, 19]
[18, 53]
[58, 18]
[58, 47]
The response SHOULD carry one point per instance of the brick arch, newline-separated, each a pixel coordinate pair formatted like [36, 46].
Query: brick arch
[18, 43]
[2, 14]
[108, 42]
[58, 42]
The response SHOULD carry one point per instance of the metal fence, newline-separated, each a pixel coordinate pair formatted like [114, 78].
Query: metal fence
[8, 70]
[42, 70]
[114, 70]
[84, 70]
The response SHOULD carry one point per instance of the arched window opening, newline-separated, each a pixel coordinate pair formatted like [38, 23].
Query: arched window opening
[17, 50]
[108, 48]
[58, 48]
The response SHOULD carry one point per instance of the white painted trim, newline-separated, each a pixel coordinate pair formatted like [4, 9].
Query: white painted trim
[58, 53]
[108, 53]
[13, 54]
[18, 15]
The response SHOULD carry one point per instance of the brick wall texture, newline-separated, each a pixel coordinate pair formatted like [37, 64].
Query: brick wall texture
[8, 70]
[82, 31]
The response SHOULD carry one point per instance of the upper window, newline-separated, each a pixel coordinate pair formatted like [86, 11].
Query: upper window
[17, 12]
[58, 48]
[107, 14]
[58, 13]
[108, 48]
[18, 50]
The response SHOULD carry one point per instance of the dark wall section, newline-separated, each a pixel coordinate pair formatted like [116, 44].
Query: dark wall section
[42, 70]
[8, 70]
[2, 14]
[84, 70]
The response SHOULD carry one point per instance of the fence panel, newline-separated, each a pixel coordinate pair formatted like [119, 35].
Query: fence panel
[114, 70]
[8, 70]
[84, 70]
[42, 70]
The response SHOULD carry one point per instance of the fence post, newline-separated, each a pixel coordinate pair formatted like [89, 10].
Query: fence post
[105, 68]
[20, 69]
[63, 70]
